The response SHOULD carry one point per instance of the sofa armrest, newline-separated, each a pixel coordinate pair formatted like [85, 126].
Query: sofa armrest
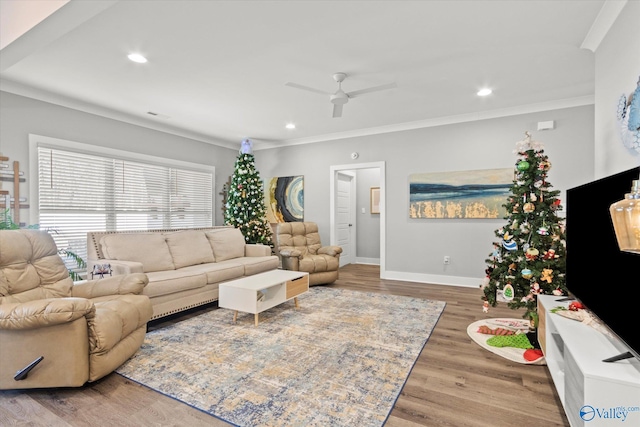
[117, 267]
[330, 250]
[290, 253]
[251, 249]
[44, 312]
[116, 285]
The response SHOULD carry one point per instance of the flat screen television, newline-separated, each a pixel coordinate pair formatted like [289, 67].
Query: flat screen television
[605, 279]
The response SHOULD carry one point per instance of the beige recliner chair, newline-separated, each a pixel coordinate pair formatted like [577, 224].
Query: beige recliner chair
[298, 246]
[78, 333]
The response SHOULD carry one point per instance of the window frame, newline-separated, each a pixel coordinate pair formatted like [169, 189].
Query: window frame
[40, 141]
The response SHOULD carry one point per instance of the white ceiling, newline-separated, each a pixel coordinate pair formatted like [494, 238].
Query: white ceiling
[217, 69]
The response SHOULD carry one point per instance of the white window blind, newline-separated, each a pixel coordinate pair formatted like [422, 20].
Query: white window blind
[80, 192]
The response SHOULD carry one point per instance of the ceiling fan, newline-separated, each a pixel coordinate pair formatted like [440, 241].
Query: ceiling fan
[340, 97]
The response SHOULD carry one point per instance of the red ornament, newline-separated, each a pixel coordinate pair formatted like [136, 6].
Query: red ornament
[575, 306]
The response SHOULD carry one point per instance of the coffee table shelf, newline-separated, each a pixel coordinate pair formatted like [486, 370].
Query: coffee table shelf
[260, 292]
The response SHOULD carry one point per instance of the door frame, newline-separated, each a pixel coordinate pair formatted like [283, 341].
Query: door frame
[383, 205]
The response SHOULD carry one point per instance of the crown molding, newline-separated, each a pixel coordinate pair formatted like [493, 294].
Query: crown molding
[52, 98]
[439, 121]
[602, 24]
[86, 107]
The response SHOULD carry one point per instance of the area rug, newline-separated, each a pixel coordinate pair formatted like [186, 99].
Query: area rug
[510, 353]
[341, 359]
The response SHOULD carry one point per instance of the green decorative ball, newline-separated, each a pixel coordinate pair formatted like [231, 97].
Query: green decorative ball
[523, 165]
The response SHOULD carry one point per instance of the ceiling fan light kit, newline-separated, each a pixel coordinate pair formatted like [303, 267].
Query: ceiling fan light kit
[340, 97]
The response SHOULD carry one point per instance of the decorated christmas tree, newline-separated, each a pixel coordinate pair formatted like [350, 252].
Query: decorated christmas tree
[245, 208]
[529, 254]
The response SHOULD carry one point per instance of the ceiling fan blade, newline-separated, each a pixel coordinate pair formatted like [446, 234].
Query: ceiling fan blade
[337, 110]
[356, 93]
[310, 89]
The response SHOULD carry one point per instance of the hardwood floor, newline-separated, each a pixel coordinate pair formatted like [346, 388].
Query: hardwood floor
[455, 382]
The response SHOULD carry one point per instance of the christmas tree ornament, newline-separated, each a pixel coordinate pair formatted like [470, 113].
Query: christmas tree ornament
[543, 231]
[528, 207]
[547, 275]
[508, 292]
[531, 254]
[533, 197]
[544, 165]
[523, 165]
[510, 245]
[526, 273]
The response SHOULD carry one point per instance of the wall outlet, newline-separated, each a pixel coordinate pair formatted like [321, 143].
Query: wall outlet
[447, 259]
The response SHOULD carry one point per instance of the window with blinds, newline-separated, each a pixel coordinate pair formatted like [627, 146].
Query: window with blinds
[80, 192]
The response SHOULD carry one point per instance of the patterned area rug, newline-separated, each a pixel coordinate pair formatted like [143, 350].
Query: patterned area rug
[340, 360]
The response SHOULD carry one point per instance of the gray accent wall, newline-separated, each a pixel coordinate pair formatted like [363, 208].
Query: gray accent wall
[21, 116]
[415, 247]
[584, 145]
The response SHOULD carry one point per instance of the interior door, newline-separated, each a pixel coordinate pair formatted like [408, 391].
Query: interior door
[345, 226]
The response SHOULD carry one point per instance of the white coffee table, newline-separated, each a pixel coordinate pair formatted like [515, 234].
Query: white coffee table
[260, 292]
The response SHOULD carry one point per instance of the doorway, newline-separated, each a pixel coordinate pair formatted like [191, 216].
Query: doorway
[339, 218]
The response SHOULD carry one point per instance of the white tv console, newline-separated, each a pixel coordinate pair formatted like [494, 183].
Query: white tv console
[593, 393]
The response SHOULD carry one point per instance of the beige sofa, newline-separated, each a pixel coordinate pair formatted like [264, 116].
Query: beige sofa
[78, 332]
[184, 267]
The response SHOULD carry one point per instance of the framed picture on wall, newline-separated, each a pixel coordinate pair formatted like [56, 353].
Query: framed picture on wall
[375, 200]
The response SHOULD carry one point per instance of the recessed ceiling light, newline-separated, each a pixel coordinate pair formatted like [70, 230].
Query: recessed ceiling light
[290, 126]
[136, 57]
[484, 92]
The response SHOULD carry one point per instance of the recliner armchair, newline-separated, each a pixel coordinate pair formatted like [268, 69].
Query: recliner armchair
[82, 332]
[298, 245]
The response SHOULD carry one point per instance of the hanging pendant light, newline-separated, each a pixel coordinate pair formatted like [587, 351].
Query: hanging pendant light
[625, 215]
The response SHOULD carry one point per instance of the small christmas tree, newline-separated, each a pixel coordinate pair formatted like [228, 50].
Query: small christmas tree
[245, 208]
[529, 255]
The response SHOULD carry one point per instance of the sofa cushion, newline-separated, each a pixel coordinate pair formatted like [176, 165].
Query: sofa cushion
[172, 281]
[319, 263]
[149, 249]
[258, 264]
[227, 243]
[219, 271]
[189, 247]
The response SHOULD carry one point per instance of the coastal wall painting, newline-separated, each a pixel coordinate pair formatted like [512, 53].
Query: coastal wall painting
[284, 197]
[461, 194]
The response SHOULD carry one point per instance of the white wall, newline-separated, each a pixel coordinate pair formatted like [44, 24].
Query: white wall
[617, 62]
[22, 116]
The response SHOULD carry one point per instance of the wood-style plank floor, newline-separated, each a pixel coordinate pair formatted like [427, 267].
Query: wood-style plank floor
[454, 382]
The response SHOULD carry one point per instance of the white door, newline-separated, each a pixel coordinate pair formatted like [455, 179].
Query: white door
[345, 226]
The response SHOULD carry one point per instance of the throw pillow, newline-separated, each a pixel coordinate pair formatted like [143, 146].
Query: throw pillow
[189, 247]
[227, 243]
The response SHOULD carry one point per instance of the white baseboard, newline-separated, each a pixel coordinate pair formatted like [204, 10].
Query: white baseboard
[467, 282]
[371, 261]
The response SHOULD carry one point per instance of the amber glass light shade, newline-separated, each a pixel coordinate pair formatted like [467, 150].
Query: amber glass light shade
[625, 215]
